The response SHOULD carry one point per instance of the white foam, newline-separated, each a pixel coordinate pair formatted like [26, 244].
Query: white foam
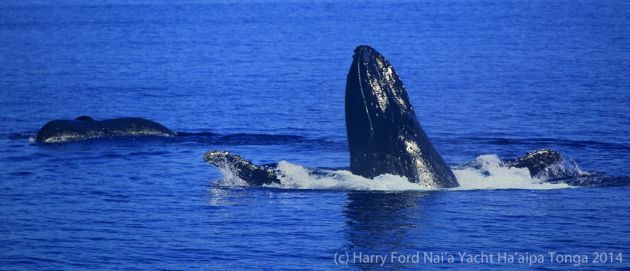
[486, 172]
[297, 177]
[230, 178]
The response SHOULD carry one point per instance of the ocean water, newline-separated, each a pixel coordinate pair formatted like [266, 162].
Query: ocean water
[266, 80]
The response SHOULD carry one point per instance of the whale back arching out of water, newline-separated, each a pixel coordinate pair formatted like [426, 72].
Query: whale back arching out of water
[547, 164]
[384, 134]
[553, 167]
[84, 127]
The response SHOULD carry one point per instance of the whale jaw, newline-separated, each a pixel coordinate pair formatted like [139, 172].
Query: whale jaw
[384, 135]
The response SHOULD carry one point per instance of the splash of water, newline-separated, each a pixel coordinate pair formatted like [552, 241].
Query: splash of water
[297, 177]
[489, 172]
[486, 172]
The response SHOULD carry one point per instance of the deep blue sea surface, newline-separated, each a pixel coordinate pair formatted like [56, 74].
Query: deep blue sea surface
[266, 80]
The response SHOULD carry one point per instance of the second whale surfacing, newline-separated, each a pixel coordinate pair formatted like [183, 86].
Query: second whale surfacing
[384, 134]
[84, 128]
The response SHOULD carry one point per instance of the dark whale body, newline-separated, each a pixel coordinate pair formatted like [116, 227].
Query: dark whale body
[245, 170]
[541, 162]
[384, 134]
[84, 127]
[553, 167]
[250, 173]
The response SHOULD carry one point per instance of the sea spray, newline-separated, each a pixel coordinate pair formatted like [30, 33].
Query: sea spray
[485, 172]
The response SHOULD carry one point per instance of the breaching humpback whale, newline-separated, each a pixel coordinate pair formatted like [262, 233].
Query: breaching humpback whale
[84, 127]
[384, 134]
[385, 137]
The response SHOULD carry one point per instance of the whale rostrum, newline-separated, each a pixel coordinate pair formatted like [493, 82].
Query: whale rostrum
[384, 134]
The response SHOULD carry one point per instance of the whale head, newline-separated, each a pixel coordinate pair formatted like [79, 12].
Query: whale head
[376, 99]
[384, 135]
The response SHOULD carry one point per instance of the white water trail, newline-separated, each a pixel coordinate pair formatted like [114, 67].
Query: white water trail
[486, 172]
[297, 177]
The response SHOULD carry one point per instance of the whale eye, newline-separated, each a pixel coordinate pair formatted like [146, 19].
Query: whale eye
[84, 118]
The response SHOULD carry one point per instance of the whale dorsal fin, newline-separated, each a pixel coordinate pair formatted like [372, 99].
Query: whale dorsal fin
[84, 118]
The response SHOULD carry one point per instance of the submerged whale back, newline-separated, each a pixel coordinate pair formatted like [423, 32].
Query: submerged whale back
[84, 127]
[384, 135]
